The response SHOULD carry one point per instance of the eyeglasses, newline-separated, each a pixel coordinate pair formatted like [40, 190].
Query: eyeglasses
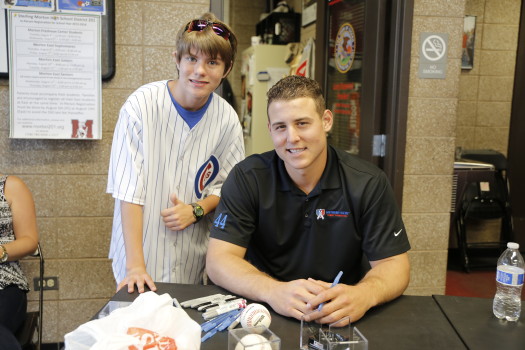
[198, 25]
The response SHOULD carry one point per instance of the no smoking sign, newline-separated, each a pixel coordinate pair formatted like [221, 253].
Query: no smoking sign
[433, 55]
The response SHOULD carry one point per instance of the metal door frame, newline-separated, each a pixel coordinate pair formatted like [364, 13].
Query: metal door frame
[385, 82]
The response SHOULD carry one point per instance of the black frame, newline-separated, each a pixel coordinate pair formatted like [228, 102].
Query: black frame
[108, 42]
[385, 81]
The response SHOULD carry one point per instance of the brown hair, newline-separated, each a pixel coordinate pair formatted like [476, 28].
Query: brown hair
[208, 42]
[294, 86]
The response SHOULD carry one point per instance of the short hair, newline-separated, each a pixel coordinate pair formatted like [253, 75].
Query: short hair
[294, 86]
[208, 42]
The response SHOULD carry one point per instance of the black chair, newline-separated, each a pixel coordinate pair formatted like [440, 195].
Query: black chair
[33, 322]
[484, 200]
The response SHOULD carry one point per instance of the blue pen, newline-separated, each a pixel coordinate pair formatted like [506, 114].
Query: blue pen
[206, 326]
[221, 326]
[334, 283]
[229, 321]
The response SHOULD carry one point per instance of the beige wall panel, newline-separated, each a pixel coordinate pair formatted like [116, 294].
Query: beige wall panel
[26, 156]
[493, 138]
[466, 115]
[4, 108]
[85, 278]
[163, 20]
[427, 193]
[82, 195]
[429, 156]
[128, 22]
[159, 64]
[427, 231]
[112, 101]
[493, 114]
[498, 63]
[431, 116]
[466, 137]
[502, 11]
[128, 72]
[468, 87]
[441, 8]
[84, 237]
[499, 37]
[495, 88]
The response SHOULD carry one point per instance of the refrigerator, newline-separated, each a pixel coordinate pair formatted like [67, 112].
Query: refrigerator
[262, 66]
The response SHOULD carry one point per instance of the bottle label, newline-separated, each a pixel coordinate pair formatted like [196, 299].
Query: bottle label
[510, 278]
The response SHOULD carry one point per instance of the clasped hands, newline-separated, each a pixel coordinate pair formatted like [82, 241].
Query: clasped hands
[301, 298]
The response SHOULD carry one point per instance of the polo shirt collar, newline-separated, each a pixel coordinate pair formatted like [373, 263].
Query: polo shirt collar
[329, 180]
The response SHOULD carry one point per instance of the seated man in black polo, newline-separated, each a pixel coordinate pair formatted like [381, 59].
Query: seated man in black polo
[289, 220]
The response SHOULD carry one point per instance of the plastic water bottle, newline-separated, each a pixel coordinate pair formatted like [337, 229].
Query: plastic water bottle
[509, 281]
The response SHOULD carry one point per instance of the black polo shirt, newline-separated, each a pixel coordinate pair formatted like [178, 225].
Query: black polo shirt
[291, 235]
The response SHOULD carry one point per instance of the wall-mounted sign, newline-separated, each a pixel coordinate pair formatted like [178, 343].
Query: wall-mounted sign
[433, 49]
[55, 86]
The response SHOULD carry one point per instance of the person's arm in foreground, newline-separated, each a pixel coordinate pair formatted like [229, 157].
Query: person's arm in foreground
[180, 215]
[132, 216]
[387, 280]
[22, 206]
[226, 266]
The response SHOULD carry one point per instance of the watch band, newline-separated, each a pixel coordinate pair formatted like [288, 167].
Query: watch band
[4, 256]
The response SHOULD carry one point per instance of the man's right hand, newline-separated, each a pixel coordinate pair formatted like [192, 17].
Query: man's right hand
[291, 298]
[137, 276]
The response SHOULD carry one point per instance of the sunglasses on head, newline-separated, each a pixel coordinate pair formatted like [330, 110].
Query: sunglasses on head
[198, 25]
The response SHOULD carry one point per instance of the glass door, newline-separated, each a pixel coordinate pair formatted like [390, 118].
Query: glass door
[362, 61]
[344, 73]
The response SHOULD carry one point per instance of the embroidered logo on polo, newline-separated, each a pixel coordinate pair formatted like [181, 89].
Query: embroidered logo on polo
[321, 213]
[206, 174]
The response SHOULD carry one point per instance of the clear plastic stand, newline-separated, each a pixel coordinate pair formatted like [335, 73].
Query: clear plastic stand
[254, 338]
[315, 336]
[112, 306]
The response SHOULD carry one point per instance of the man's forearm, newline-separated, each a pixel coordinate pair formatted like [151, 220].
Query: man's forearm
[237, 275]
[387, 279]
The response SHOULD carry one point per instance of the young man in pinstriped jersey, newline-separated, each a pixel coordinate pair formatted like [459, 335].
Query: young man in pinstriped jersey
[174, 144]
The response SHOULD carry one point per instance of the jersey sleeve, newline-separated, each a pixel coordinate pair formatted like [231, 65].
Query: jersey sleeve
[381, 225]
[125, 175]
[235, 216]
[231, 152]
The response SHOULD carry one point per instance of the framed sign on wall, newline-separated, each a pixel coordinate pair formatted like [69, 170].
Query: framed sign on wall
[107, 44]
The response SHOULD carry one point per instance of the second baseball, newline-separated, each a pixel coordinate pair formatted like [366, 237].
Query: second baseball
[255, 315]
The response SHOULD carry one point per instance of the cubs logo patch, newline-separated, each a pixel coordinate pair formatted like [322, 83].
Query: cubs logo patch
[206, 174]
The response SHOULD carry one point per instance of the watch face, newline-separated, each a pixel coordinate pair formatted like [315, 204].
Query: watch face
[198, 211]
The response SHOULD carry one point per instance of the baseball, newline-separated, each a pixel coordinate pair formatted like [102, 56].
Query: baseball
[255, 315]
[253, 342]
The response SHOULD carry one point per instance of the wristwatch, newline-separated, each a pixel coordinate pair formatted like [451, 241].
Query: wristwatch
[198, 212]
[4, 256]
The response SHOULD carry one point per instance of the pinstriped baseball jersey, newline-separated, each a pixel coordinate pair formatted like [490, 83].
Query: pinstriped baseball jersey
[154, 153]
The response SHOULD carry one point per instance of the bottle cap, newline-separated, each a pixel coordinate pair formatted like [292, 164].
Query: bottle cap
[513, 245]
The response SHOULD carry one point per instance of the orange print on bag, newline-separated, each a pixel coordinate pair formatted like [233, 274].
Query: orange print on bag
[151, 340]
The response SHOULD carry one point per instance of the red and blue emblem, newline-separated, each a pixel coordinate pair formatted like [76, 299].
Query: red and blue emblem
[206, 174]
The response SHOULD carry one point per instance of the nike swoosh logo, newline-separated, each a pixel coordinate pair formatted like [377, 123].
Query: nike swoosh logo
[397, 233]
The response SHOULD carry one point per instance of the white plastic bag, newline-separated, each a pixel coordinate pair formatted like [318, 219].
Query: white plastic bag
[150, 322]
